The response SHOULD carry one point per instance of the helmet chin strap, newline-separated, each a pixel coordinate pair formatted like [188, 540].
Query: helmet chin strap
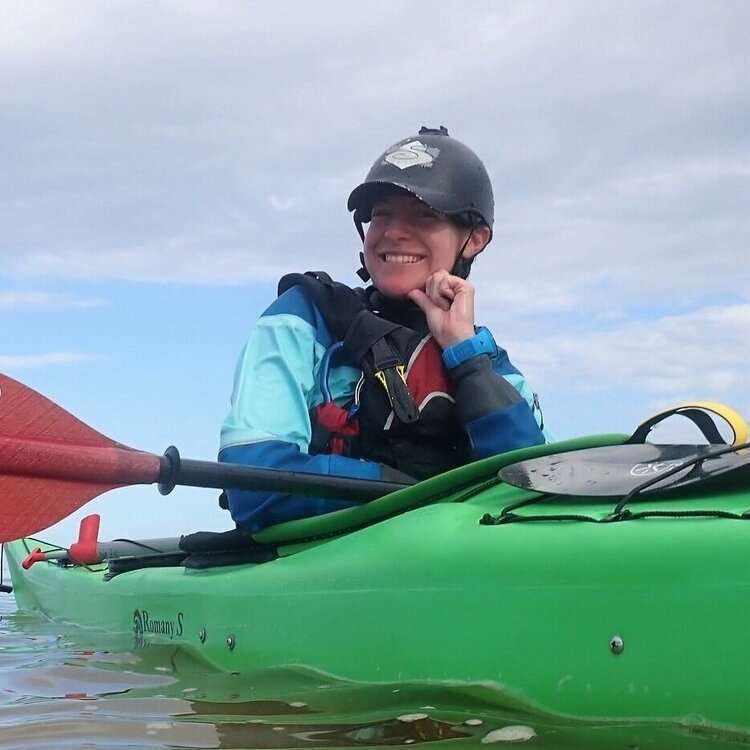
[362, 272]
[462, 266]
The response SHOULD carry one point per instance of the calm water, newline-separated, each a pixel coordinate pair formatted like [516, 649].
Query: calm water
[69, 688]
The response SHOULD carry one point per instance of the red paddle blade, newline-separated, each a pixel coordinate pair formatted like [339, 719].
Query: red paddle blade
[52, 463]
[29, 505]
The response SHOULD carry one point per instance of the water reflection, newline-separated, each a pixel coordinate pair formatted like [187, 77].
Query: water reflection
[366, 734]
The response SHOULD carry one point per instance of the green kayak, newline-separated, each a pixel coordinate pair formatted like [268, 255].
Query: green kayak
[610, 605]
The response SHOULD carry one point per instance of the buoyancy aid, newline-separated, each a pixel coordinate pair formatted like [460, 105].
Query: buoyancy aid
[402, 413]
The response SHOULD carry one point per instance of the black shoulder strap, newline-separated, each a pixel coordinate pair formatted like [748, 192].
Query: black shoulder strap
[364, 335]
[338, 304]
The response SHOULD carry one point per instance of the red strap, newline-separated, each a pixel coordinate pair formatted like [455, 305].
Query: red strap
[335, 419]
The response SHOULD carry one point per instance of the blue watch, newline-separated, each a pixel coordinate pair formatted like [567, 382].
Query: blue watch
[480, 343]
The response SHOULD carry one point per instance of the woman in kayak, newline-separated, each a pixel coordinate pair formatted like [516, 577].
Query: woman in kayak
[392, 381]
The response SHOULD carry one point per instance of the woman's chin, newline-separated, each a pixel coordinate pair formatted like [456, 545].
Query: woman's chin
[398, 288]
[394, 291]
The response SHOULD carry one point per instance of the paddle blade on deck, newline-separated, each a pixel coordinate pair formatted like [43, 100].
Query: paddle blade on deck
[614, 471]
[51, 463]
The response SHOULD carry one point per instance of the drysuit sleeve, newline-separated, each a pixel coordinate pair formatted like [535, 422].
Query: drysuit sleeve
[275, 386]
[495, 405]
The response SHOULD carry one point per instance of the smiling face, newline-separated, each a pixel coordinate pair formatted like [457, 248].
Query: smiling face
[407, 241]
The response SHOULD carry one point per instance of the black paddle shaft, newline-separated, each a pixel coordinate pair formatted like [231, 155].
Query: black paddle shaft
[175, 470]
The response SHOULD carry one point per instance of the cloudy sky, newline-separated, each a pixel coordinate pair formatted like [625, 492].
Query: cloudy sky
[162, 163]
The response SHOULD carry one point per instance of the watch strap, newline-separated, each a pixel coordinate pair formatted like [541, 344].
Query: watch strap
[480, 343]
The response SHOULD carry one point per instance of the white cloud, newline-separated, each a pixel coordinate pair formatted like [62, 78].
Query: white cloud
[178, 261]
[281, 203]
[38, 28]
[10, 362]
[619, 159]
[699, 354]
[36, 300]
[535, 296]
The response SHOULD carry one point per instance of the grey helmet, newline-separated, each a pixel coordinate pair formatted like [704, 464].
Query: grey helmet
[438, 170]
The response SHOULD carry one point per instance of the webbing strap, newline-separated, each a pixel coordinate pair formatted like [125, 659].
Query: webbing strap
[695, 411]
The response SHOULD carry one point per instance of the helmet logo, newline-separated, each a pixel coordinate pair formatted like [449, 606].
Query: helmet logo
[412, 154]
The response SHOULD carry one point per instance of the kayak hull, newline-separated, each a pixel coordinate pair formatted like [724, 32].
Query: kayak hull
[620, 621]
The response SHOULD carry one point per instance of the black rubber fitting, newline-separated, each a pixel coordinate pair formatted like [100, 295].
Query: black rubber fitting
[169, 470]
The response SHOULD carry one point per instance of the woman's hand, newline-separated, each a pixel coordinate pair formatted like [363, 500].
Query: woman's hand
[448, 304]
